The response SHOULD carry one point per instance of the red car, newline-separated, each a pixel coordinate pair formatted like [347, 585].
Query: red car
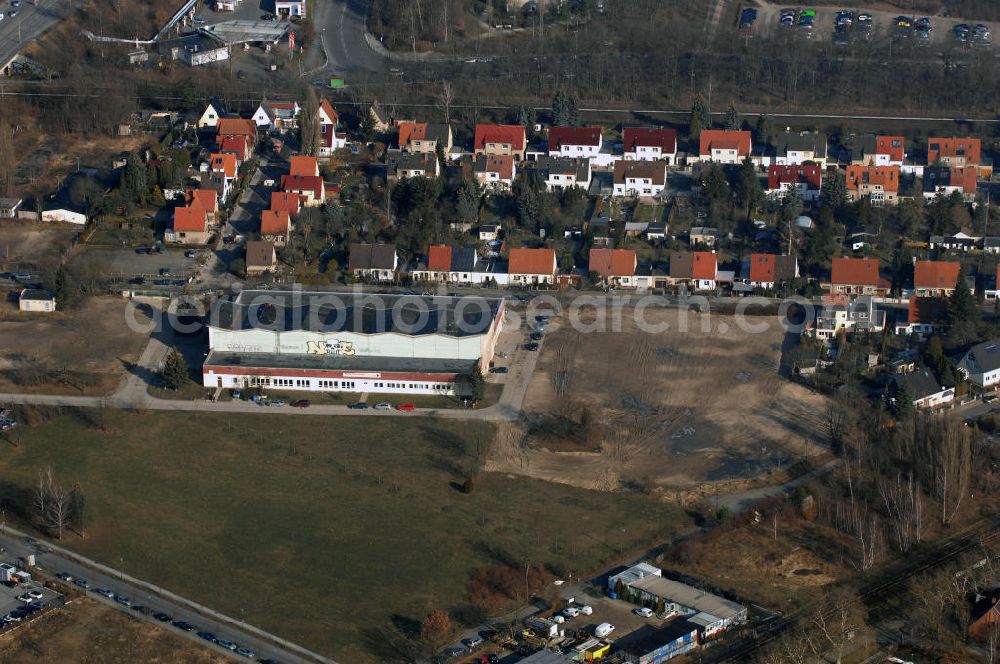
[406, 406]
[301, 403]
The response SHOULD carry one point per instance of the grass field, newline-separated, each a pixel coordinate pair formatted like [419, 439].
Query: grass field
[324, 530]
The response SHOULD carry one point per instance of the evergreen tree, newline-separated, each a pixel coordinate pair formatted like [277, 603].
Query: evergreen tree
[963, 314]
[134, 183]
[478, 384]
[65, 292]
[175, 371]
[523, 115]
[902, 401]
[528, 202]
[367, 128]
[748, 190]
[732, 118]
[564, 110]
[833, 191]
[700, 119]
[468, 197]
[762, 131]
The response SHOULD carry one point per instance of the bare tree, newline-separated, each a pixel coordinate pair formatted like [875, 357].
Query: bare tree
[904, 504]
[445, 99]
[52, 503]
[309, 124]
[835, 626]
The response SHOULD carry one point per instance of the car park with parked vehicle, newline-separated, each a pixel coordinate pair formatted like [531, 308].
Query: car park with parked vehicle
[301, 403]
[360, 405]
[383, 406]
[643, 611]
[406, 407]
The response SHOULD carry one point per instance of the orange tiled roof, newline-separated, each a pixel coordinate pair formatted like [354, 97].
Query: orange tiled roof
[532, 261]
[612, 262]
[275, 222]
[936, 274]
[855, 271]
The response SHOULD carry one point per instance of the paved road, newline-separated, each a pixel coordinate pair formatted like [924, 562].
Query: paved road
[30, 22]
[139, 592]
[341, 25]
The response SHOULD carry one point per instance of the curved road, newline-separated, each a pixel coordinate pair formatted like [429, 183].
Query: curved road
[340, 24]
[31, 21]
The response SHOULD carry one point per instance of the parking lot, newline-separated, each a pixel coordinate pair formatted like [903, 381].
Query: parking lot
[788, 21]
[126, 263]
[249, 10]
[19, 600]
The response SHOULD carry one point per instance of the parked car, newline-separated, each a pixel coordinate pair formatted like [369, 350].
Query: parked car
[162, 617]
[164, 271]
[383, 406]
[276, 402]
[246, 652]
[123, 600]
[190, 253]
[82, 583]
[454, 651]
[35, 594]
[361, 405]
[473, 642]
[643, 611]
[536, 336]
[586, 610]
[25, 597]
[603, 630]
[301, 403]
[144, 610]
[63, 576]
[208, 636]
[498, 370]
[227, 644]
[183, 625]
[406, 407]
[104, 592]
[142, 250]
[570, 612]
[532, 346]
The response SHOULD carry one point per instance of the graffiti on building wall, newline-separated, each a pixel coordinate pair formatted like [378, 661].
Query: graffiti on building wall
[336, 347]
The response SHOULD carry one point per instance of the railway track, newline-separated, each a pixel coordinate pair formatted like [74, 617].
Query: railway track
[873, 594]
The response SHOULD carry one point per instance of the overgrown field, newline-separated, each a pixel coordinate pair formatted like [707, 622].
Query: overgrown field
[328, 531]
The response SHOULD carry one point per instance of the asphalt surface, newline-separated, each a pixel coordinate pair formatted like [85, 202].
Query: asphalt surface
[30, 22]
[54, 563]
[341, 29]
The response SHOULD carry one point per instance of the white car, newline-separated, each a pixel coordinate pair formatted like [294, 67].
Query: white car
[35, 594]
[586, 610]
[26, 598]
[558, 619]
[571, 612]
[383, 406]
[644, 611]
[603, 630]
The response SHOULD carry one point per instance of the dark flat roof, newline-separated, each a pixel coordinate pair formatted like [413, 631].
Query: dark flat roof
[338, 362]
[362, 313]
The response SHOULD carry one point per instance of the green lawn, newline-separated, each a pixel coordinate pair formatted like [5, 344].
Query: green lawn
[320, 529]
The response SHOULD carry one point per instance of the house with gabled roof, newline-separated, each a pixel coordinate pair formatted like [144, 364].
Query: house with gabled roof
[959, 241]
[562, 172]
[261, 258]
[880, 184]
[238, 147]
[925, 315]
[947, 180]
[376, 262]
[639, 178]
[308, 187]
[286, 201]
[575, 141]
[796, 148]
[330, 139]
[856, 276]
[532, 266]
[190, 225]
[980, 365]
[874, 150]
[231, 127]
[770, 270]
[276, 114]
[212, 114]
[223, 169]
[425, 137]
[275, 226]
[935, 278]
[844, 313]
[697, 269]
[436, 266]
[955, 152]
[805, 180]
[495, 172]
[303, 165]
[208, 199]
[417, 164]
[924, 389]
[724, 147]
[614, 267]
[507, 140]
[650, 143]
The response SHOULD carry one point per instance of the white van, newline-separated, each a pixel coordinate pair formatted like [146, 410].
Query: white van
[603, 630]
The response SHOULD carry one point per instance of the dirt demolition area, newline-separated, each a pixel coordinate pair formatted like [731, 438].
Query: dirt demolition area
[33, 247]
[81, 351]
[673, 410]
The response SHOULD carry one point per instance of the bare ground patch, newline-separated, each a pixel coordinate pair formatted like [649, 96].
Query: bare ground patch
[82, 351]
[606, 410]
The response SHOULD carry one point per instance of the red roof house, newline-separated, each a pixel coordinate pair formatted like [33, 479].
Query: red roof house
[500, 139]
[613, 264]
[277, 223]
[806, 179]
[932, 278]
[705, 265]
[724, 146]
[230, 127]
[304, 166]
[285, 201]
[892, 146]
[856, 276]
[208, 199]
[954, 151]
[564, 139]
[439, 258]
[308, 187]
[532, 265]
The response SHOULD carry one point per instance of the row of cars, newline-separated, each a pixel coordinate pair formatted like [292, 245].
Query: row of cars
[162, 617]
[977, 35]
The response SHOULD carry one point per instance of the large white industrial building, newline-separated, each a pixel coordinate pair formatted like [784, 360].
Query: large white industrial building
[351, 342]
